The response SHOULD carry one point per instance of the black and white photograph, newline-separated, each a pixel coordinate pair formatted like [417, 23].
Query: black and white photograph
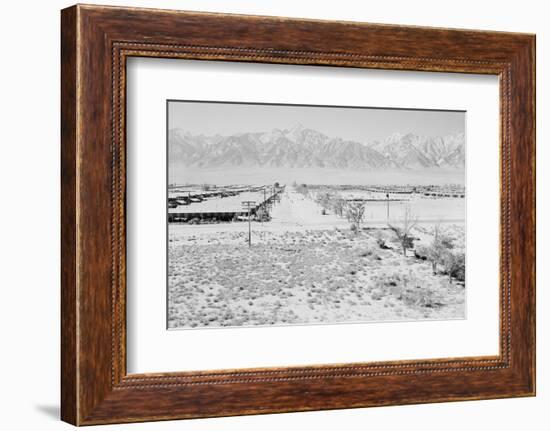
[300, 214]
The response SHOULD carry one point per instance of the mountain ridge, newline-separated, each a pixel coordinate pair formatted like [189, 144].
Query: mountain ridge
[301, 147]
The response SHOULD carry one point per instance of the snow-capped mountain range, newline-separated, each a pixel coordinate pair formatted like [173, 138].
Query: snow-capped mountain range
[301, 147]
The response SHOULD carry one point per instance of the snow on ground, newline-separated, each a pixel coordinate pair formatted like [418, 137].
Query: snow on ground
[302, 268]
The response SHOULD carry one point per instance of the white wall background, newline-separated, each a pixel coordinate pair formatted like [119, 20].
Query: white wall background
[29, 229]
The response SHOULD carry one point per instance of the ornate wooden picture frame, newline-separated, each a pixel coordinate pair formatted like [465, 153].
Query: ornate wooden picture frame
[96, 41]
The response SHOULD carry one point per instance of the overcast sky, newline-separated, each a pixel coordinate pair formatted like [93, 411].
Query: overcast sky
[359, 124]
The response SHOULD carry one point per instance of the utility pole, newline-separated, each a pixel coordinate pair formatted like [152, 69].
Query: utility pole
[388, 206]
[248, 206]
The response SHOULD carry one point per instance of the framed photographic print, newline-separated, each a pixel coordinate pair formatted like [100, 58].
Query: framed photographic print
[268, 215]
[272, 222]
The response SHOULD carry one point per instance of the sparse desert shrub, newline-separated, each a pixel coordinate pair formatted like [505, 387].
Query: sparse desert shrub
[460, 273]
[436, 251]
[406, 288]
[454, 263]
[421, 297]
[381, 240]
[366, 252]
[394, 279]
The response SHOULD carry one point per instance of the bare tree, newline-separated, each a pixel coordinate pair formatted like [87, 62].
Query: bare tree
[339, 205]
[404, 229]
[355, 213]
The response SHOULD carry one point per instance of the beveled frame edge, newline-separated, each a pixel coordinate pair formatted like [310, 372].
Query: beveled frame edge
[96, 41]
